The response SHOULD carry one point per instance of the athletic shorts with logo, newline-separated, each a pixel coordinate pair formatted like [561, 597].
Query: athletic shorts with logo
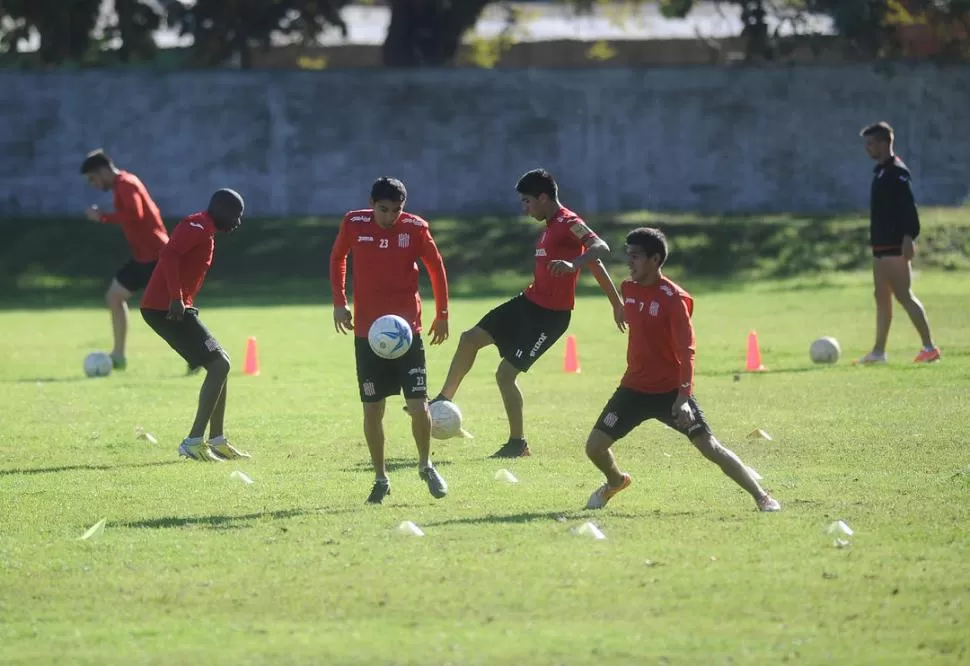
[524, 331]
[379, 378]
[628, 408]
[189, 337]
[134, 275]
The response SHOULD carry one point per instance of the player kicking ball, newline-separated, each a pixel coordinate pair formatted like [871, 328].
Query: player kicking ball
[659, 379]
[168, 308]
[386, 244]
[528, 325]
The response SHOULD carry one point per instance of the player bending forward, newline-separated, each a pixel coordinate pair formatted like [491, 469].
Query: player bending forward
[387, 243]
[659, 379]
[168, 308]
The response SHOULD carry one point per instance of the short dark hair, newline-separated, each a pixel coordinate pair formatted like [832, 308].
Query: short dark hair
[881, 130]
[536, 182]
[96, 159]
[388, 189]
[651, 241]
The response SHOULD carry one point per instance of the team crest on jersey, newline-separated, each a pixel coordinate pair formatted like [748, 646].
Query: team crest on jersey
[654, 308]
[403, 240]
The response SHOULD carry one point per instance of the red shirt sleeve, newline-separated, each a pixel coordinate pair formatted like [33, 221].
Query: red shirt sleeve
[684, 342]
[433, 263]
[338, 266]
[183, 239]
[579, 230]
[128, 205]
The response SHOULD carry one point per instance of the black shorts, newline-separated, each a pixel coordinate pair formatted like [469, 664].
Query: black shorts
[379, 378]
[879, 253]
[134, 275]
[628, 408]
[524, 331]
[189, 337]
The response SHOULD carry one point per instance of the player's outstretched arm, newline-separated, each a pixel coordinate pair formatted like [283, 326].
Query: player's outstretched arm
[435, 265]
[609, 288]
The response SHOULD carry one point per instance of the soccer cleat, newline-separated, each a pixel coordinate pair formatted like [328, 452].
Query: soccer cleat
[437, 486]
[199, 451]
[514, 448]
[928, 355]
[119, 363]
[768, 503]
[221, 448]
[381, 489]
[606, 492]
[872, 358]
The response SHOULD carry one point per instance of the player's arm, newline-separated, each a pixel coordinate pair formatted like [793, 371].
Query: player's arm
[594, 248]
[682, 338]
[183, 239]
[905, 206]
[609, 288]
[431, 258]
[342, 317]
[129, 206]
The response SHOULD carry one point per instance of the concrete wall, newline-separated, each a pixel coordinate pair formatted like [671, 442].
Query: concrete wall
[301, 143]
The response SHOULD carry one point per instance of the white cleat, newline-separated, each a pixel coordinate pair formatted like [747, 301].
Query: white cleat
[222, 449]
[768, 503]
[199, 452]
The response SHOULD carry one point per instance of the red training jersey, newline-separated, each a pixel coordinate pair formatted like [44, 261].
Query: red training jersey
[139, 218]
[563, 238]
[183, 263]
[660, 349]
[385, 269]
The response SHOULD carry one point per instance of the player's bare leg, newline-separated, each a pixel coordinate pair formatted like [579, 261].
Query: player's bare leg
[731, 465]
[117, 299]
[218, 443]
[374, 434]
[506, 376]
[901, 280]
[216, 373]
[469, 344]
[599, 451]
[421, 430]
[883, 292]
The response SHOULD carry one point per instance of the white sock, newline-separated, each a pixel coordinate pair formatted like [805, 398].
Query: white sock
[425, 465]
[221, 439]
[929, 348]
[194, 440]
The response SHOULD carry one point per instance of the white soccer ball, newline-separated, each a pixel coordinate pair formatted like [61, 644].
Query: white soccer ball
[97, 364]
[390, 336]
[825, 350]
[445, 420]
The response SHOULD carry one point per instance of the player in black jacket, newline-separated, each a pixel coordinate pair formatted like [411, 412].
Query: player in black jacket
[893, 230]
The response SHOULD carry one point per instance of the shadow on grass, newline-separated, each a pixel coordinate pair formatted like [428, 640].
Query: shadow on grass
[515, 518]
[84, 468]
[393, 465]
[221, 521]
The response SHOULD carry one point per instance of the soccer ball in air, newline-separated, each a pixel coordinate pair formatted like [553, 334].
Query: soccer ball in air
[97, 364]
[825, 350]
[390, 336]
[445, 420]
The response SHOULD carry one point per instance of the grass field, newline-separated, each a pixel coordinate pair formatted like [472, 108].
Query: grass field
[196, 567]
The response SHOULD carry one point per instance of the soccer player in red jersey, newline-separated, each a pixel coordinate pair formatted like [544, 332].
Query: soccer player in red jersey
[659, 379]
[143, 228]
[386, 244]
[526, 326]
[168, 306]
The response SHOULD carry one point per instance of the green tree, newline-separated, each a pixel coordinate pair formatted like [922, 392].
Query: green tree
[64, 27]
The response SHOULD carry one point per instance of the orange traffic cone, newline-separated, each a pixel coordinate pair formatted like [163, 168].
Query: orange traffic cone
[251, 366]
[753, 362]
[571, 362]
